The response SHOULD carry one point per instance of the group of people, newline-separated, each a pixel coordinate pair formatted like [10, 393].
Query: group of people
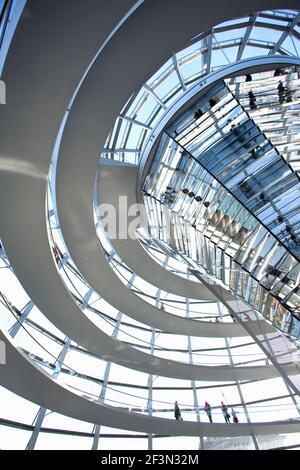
[198, 113]
[284, 94]
[226, 414]
[207, 409]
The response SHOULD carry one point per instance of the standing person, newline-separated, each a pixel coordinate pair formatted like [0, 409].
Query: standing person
[277, 72]
[281, 92]
[207, 409]
[198, 114]
[234, 416]
[177, 412]
[225, 412]
[248, 77]
[235, 130]
[252, 100]
[212, 102]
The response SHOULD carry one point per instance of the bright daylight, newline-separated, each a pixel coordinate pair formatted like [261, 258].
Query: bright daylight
[150, 226]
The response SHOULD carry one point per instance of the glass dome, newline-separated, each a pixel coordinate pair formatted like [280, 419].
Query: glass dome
[153, 323]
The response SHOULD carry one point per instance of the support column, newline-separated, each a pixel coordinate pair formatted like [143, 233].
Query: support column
[248, 330]
[97, 427]
[150, 387]
[238, 384]
[25, 312]
[42, 411]
[196, 403]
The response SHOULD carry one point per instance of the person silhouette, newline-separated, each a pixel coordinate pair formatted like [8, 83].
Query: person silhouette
[207, 409]
[234, 416]
[177, 412]
[225, 412]
[212, 102]
[198, 114]
[281, 92]
[252, 100]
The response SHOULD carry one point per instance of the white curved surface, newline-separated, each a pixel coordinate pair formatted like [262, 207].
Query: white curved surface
[41, 75]
[117, 180]
[26, 147]
[25, 153]
[23, 175]
[92, 115]
[31, 382]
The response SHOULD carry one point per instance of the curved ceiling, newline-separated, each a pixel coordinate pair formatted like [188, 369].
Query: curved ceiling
[43, 67]
[34, 384]
[115, 181]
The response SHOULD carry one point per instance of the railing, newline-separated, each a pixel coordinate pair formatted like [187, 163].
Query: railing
[129, 401]
[187, 239]
[4, 18]
[180, 177]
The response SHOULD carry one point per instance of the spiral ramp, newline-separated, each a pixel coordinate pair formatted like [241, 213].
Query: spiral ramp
[44, 123]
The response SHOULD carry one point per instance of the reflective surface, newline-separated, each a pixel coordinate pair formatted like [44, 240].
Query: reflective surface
[216, 171]
[265, 400]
